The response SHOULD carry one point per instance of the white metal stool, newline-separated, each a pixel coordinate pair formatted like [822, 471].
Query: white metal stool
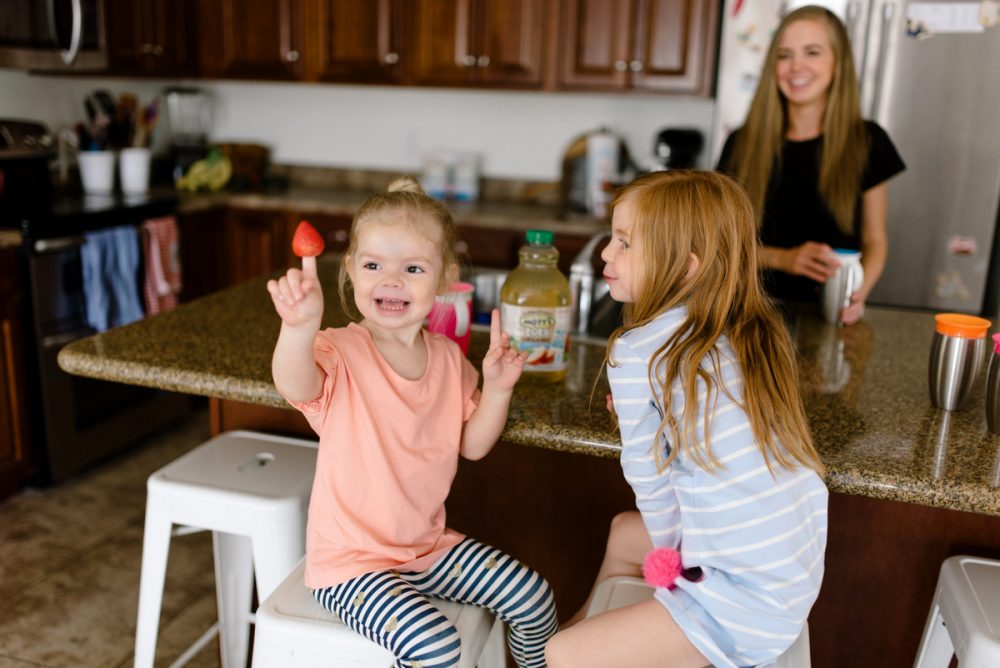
[252, 491]
[622, 590]
[294, 631]
[965, 616]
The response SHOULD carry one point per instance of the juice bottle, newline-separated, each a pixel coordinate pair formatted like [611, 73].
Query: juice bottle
[536, 308]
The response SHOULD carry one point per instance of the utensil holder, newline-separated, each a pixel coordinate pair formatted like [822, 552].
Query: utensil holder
[97, 171]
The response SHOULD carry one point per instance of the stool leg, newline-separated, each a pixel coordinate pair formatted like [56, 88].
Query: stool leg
[155, 550]
[274, 557]
[936, 649]
[234, 592]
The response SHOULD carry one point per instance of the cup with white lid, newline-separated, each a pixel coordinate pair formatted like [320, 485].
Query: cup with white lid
[845, 282]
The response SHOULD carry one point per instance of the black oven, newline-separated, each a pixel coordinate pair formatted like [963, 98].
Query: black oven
[75, 421]
[52, 34]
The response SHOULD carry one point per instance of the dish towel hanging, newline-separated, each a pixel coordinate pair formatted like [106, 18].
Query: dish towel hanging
[161, 253]
[110, 263]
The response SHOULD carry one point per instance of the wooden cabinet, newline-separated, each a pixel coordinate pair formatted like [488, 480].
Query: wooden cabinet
[150, 37]
[479, 42]
[15, 462]
[257, 243]
[251, 39]
[204, 252]
[357, 41]
[651, 45]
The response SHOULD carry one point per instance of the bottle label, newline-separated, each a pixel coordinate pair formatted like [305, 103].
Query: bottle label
[543, 332]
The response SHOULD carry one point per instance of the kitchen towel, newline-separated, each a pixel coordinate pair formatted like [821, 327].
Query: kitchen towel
[161, 253]
[110, 263]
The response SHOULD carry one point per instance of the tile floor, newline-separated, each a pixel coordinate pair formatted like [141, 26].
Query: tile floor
[69, 567]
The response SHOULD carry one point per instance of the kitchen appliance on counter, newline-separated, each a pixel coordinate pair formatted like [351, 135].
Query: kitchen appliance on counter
[928, 76]
[677, 148]
[53, 35]
[189, 113]
[74, 421]
[573, 186]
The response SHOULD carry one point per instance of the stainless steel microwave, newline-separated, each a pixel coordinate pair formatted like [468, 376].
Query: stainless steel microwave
[52, 35]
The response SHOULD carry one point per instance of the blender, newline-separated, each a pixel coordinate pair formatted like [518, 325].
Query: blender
[190, 116]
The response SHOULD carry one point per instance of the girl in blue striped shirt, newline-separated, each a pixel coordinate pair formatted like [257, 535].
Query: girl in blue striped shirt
[715, 442]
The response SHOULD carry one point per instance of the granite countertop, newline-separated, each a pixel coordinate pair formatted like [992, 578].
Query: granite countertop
[865, 391]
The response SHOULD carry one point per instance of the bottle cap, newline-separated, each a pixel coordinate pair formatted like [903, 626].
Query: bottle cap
[539, 237]
[962, 326]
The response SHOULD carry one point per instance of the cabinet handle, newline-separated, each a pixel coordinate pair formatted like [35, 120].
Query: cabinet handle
[147, 48]
[621, 65]
[461, 247]
[157, 50]
[468, 61]
[340, 236]
[635, 66]
[483, 61]
[392, 58]
[292, 56]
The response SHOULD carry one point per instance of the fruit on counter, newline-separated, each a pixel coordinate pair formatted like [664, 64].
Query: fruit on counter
[210, 173]
[307, 242]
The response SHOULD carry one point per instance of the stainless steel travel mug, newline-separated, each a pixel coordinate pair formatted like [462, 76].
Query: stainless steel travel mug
[993, 388]
[957, 354]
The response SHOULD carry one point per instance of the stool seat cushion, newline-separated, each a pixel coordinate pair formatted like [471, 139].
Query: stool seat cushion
[294, 630]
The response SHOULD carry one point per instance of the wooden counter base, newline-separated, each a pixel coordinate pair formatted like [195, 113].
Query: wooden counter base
[552, 510]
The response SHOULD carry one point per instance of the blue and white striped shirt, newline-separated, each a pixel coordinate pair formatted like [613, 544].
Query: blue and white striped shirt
[759, 537]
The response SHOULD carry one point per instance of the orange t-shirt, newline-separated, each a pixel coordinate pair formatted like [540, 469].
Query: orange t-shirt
[388, 452]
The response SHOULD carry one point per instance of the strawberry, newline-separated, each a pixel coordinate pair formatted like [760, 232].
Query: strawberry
[307, 242]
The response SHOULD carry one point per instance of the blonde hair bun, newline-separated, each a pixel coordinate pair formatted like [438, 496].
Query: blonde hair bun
[406, 184]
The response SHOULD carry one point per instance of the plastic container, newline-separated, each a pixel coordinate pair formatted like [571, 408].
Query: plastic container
[536, 308]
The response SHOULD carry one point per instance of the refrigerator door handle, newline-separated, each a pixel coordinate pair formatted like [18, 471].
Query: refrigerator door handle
[886, 17]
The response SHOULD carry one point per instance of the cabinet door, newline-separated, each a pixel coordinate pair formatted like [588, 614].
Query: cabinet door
[357, 41]
[512, 33]
[674, 46]
[251, 39]
[444, 51]
[487, 247]
[15, 463]
[149, 37]
[596, 44]
[257, 243]
[204, 253]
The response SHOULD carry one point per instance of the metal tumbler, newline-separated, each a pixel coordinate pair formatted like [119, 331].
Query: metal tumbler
[993, 388]
[956, 359]
[837, 291]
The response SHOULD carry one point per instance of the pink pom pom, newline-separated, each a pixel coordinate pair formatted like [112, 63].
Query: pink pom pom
[661, 567]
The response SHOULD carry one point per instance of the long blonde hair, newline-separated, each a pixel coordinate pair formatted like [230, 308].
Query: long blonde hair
[757, 148]
[677, 213]
[429, 216]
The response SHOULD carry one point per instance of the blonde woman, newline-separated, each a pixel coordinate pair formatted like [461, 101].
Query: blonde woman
[816, 172]
[715, 442]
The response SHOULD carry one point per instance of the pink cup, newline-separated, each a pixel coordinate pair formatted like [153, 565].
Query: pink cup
[452, 315]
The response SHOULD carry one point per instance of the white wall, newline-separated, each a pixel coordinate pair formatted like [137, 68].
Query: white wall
[521, 135]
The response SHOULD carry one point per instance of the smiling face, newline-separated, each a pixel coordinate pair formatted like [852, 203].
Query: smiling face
[619, 267]
[396, 272]
[804, 65]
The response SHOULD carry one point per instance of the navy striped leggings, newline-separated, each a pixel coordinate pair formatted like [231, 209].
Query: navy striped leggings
[390, 608]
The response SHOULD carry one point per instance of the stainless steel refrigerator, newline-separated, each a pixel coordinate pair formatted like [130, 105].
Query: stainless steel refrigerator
[929, 75]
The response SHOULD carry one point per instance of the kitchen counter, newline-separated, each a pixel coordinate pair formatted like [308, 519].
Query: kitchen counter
[865, 391]
[334, 201]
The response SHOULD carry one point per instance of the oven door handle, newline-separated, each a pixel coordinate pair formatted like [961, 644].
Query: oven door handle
[60, 340]
[56, 244]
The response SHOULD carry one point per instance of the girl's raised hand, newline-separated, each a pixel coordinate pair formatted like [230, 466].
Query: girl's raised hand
[298, 296]
[502, 365]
